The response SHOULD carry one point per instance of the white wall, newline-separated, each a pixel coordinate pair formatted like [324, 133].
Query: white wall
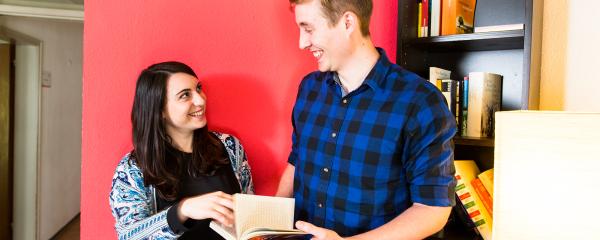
[570, 50]
[60, 152]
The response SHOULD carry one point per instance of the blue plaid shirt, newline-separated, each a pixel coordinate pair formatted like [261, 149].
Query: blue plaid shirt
[362, 159]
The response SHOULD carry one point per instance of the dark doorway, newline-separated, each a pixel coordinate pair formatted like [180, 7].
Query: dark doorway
[7, 51]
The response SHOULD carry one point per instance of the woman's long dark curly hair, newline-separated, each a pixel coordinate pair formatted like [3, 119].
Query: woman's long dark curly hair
[151, 141]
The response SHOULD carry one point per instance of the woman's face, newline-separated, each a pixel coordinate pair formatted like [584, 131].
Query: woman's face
[185, 109]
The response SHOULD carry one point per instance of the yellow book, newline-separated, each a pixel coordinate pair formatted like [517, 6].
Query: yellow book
[466, 171]
[419, 21]
[487, 179]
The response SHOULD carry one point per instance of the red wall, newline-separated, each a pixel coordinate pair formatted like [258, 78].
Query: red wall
[245, 53]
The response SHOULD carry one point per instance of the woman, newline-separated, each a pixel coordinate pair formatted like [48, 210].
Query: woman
[179, 176]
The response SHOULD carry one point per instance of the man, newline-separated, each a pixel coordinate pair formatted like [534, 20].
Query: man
[372, 154]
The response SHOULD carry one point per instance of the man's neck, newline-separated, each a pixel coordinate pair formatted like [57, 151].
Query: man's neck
[357, 67]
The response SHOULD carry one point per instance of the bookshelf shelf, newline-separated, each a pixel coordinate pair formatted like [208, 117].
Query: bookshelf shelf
[486, 41]
[474, 141]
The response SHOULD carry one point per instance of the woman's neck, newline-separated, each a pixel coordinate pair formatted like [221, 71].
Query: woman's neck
[182, 141]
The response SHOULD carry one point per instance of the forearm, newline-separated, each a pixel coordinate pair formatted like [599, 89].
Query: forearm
[286, 183]
[152, 226]
[417, 222]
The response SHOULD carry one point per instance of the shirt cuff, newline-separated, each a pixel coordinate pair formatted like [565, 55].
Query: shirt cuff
[173, 221]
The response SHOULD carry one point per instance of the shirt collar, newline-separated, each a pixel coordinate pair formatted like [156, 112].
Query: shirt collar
[375, 78]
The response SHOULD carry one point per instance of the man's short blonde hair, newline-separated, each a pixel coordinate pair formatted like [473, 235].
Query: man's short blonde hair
[334, 9]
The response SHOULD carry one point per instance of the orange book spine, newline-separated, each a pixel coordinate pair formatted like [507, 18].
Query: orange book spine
[457, 16]
[448, 17]
[485, 197]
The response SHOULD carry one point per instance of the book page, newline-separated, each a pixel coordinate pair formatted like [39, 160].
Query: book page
[253, 211]
[225, 232]
[264, 234]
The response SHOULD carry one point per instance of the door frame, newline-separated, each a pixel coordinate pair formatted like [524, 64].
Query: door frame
[33, 141]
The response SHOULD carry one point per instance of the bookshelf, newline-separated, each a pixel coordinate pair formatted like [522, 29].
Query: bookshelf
[487, 41]
[508, 53]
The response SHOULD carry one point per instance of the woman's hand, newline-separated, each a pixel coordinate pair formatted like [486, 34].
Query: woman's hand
[216, 205]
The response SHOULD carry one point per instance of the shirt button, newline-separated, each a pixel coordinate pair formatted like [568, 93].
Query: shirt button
[320, 205]
[345, 101]
[325, 170]
[333, 135]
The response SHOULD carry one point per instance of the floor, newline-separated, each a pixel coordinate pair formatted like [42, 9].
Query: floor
[70, 231]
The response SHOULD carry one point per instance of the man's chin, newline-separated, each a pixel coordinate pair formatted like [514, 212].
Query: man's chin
[324, 68]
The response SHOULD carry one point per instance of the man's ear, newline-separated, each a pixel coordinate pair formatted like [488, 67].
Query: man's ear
[350, 21]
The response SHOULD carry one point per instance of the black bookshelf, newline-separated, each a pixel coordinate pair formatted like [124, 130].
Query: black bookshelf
[508, 53]
[474, 141]
[486, 41]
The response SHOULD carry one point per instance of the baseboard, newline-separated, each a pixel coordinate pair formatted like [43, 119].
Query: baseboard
[66, 226]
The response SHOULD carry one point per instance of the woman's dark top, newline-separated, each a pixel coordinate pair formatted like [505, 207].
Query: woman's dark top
[223, 180]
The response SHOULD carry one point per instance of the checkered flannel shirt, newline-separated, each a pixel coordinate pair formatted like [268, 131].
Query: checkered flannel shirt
[364, 158]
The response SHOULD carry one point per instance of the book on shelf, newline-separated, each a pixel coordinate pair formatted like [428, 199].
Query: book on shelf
[464, 106]
[487, 179]
[449, 89]
[485, 98]
[424, 18]
[466, 171]
[485, 197]
[420, 20]
[457, 16]
[260, 217]
[499, 28]
[435, 14]
[436, 73]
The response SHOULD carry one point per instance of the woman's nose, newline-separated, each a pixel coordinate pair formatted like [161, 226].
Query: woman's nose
[198, 99]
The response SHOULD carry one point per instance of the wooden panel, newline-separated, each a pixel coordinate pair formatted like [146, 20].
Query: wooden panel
[546, 175]
[5, 145]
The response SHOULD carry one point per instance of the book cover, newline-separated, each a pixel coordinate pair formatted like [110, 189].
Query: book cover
[424, 18]
[456, 103]
[485, 99]
[487, 179]
[485, 197]
[260, 216]
[420, 20]
[436, 73]
[466, 171]
[435, 15]
[464, 106]
[457, 16]
[449, 88]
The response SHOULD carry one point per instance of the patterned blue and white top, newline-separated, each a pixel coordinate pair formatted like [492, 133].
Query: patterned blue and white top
[134, 205]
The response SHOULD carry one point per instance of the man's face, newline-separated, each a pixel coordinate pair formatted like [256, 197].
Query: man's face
[327, 44]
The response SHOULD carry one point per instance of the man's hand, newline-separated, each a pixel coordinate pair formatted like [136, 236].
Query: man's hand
[317, 232]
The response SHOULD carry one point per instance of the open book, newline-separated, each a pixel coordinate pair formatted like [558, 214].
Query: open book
[260, 216]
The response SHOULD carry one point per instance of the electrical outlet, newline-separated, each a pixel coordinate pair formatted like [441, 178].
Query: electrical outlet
[46, 79]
